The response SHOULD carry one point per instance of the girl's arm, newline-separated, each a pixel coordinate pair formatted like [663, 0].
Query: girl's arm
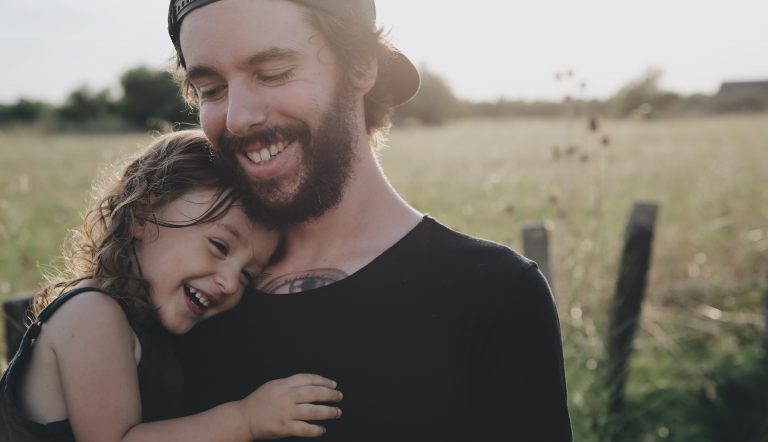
[94, 347]
[276, 409]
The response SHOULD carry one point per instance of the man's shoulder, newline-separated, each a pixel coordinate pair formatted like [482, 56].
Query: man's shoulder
[479, 274]
[444, 244]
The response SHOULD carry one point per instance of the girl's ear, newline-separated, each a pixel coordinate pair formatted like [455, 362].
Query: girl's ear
[138, 228]
[364, 74]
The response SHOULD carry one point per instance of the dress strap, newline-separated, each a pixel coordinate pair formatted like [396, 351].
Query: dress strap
[51, 308]
[34, 330]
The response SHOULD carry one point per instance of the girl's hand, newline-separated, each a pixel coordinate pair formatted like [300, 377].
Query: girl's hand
[280, 408]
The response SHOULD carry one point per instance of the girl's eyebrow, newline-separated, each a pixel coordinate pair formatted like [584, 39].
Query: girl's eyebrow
[231, 229]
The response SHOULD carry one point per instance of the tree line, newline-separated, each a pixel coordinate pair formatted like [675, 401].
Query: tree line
[641, 98]
[151, 100]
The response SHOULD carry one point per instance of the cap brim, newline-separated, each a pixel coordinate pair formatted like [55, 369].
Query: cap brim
[398, 78]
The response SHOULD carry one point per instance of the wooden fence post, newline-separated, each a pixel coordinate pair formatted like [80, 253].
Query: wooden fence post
[15, 316]
[627, 300]
[536, 247]
[765, 326]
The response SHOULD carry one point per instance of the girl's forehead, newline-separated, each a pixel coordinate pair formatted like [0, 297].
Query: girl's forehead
[244, 228]
[192, 203]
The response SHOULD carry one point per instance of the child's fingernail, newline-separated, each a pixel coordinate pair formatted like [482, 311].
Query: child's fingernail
[334, 384]
[338, 413]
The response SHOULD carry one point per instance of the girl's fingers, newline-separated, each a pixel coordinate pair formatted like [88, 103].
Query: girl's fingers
[311, 412]
[311, 379]
[308, 394]
[304, 429]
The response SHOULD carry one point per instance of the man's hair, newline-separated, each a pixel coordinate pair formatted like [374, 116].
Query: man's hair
[103, 248]
[352, 44]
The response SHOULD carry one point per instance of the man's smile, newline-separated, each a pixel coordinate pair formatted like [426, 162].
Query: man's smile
[260, 156]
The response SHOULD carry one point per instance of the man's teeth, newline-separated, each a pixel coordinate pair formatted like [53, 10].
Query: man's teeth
[267, 153]
[205, 302]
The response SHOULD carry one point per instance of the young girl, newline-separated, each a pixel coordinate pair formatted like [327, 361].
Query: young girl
[168, 246]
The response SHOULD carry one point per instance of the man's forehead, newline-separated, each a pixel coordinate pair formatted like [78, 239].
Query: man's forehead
[357, 11]
[221, 13]
[398, 80]
[245, 27]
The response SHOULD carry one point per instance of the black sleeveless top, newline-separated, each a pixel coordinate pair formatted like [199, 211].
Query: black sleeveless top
[160, 382]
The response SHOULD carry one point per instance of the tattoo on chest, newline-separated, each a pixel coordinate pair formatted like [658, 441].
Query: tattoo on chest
[298, 282]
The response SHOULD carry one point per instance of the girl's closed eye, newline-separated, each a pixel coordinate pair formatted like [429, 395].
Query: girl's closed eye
[248, 279]
[221, 246]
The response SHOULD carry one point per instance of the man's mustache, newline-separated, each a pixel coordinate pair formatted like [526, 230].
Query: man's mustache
[229, 143]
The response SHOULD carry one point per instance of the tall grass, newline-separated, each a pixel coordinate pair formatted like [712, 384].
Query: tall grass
[710, 254]
[488, 178]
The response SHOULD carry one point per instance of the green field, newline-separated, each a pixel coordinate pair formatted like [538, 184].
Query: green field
[702, 319]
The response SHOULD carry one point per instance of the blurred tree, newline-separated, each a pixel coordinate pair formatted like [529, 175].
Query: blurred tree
[23, 111]
[643, 97]
[505, 108]
[151, 97]
[435, 102]
[636, 95]
[84, 106]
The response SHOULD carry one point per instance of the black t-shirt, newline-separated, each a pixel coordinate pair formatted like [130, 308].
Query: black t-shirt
[442, 337]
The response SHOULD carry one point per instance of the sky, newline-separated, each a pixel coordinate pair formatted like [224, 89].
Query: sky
[484, 49]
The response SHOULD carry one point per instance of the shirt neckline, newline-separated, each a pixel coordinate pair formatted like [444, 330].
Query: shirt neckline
[422, 224]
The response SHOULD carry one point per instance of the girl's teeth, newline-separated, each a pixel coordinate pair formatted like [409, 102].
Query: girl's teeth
[273, 150]
[202, 300]
[265, 155]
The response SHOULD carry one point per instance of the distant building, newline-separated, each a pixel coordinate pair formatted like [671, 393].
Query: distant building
[744, 88]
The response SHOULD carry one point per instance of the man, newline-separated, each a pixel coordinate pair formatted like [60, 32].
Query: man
[430, 334]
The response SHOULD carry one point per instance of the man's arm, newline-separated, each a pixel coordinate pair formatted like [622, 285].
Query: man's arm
[519, 388]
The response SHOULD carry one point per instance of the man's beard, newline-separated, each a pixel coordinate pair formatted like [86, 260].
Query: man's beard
[326, 166]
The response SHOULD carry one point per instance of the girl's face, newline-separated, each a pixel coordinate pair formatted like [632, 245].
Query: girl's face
[200, 271]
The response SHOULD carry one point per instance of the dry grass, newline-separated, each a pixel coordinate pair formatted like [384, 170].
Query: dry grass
[489, 178]
[710, 256]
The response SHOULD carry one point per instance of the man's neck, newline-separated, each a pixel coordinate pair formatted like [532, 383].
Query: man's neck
[370, 218]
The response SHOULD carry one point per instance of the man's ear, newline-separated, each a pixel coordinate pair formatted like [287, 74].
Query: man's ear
[364, 74]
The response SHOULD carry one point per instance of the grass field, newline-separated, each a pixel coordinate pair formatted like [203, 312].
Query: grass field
[702, 319]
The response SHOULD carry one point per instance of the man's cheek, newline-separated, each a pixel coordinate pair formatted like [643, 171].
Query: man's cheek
[213, 124]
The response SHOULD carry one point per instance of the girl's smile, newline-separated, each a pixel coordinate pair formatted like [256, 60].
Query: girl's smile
[200, 270]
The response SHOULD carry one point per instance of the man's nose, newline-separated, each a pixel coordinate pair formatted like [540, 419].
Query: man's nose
[246, 111]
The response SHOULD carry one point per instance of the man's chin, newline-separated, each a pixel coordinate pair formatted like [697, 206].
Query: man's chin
[303, 181]
[275, 201]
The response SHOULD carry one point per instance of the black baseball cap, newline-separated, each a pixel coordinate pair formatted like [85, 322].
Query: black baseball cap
[398, 77]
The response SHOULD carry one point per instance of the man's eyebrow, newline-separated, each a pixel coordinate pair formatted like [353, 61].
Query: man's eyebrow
[197, 72]
[271, 54]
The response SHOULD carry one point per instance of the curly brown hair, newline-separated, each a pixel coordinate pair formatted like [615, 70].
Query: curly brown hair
[102, 249]
[352, 44]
